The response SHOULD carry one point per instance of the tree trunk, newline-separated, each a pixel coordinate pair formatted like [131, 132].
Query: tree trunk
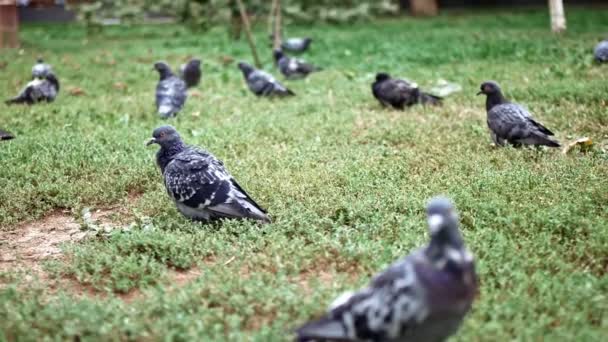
[558, 19]
[424, 7]
[247, 27]
[9, 24]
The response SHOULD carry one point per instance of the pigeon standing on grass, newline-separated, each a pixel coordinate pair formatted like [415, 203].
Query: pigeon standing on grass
[601, 52]
[297, 45]
[293, 68]
[191, 72]
[510, 122]
[397, 93]
[170, 91]
[38, 89]
[199, 184]
[4, 135]
[262, 83]
[422, 297]
[40, 69]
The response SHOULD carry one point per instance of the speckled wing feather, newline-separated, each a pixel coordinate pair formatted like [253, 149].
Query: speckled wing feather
[170, 96]
[203, 189]
[262, 83]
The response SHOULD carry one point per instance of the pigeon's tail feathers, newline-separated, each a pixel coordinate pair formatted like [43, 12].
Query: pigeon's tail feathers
[4, 135]
[541, 139]
[540, 127]
[287, 92]
[238, 209]
[429, 99]
[16, 100]
[324, 329]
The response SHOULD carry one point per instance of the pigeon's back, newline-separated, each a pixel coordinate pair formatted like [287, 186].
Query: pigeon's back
[601, 51]
[40, 70]
[170, 96]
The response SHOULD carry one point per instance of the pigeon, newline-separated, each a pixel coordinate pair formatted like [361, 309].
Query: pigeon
[4, 135]
[199, 184]
[38, 89]
[293, 68]
[601, 52]
[170, 91]
[421, 297]
[297, 45]
[191, 72]
[512, 123]
[262, 83]
[397, 93]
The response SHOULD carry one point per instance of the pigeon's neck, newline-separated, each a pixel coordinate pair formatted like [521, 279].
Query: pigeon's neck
[165, 74]
[495, 100]
[166, 154]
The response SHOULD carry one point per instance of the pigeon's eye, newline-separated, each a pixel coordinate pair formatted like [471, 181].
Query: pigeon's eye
[162, 134]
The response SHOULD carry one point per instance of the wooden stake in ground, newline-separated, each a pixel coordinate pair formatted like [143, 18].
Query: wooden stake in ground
[245, 19]
[276, 41]
[273, 10]
[558, 19]
[9, 24]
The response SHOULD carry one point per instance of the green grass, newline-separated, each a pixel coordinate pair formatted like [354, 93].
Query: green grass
[344, 180]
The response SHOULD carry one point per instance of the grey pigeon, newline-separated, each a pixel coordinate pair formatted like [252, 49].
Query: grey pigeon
[397, 93]
[421, 297]
[262, 83]
[170, 91]
[4, 135]
[512, 123]
[40, 69]
[191, 72]
[601, 52]
[37, 90]
[297, 45]
[199, 184]
[293, 68]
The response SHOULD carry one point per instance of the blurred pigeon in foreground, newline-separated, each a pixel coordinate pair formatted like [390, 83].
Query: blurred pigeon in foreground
[601, 51]
[292, 67]
[4, 135]
[512, 123]
[38, 89]
[199, 184]
[191, 72]
[262, 83]
[170, 91]
[40, 69]
[399, 93]
[297, 45]
[422, 297]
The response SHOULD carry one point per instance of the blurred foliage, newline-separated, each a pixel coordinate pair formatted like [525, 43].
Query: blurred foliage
[203, 14]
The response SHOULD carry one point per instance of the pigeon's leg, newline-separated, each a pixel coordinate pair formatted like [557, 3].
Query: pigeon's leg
[497, 141]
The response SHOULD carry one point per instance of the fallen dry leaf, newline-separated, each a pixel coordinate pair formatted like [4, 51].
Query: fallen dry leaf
[226, 59]
[584, 145]
[196, 114]
[75, 91]
[120, 86]
[195, 93]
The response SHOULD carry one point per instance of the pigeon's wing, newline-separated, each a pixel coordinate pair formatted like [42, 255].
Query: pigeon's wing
[397, 93]
[513, 123]
[29, 94]
[430, 99]
[199, 181]
[4, 135]
[305, 67]
[392, 304]
[170, 96]
[601, 52]
[262, 83]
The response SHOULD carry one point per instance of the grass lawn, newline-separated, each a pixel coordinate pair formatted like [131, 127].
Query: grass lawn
[344, 181]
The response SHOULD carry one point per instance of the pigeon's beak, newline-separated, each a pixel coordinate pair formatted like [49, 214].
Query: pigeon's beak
[151, 141]
[481, 92]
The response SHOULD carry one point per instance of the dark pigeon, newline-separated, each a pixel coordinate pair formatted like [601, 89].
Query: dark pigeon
[510, 122]
[262, 83]
[4, 135]
[199, 184]
[397, 93]
[293, 68]
[170, 91]
[40, 69]
[601, 52]
[37, 90]
[422, 297]
[297, 45]
[191, 72]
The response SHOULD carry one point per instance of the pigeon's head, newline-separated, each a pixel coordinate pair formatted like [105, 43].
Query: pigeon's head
[39, 60]
[194, 62]
[307, 41]
[165, 136]
[246, 68]
[278, 54]
[163, 68]
[382, 76]
[443, 222]
[489, 88]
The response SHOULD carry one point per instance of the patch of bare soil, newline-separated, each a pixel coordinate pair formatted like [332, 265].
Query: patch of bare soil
[32, 242]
